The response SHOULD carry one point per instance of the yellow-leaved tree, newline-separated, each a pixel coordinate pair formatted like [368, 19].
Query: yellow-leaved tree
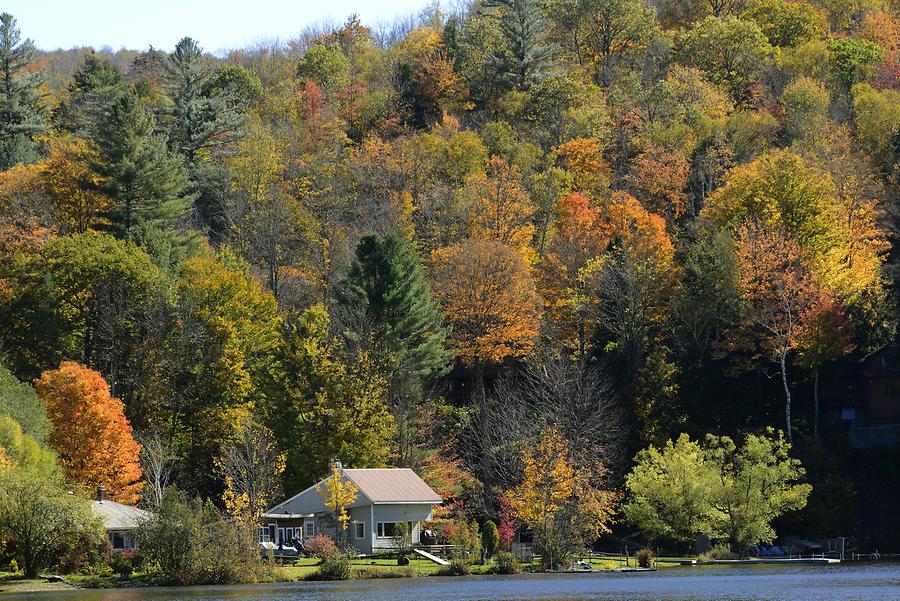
[561, 499]
[338, 493]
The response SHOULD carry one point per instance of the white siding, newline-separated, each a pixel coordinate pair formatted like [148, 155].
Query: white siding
[361, 515]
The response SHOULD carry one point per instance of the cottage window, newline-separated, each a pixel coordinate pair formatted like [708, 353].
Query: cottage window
[360, 530]
[387, 529]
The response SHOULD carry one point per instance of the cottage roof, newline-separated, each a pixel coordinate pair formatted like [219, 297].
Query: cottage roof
[116, 516]
[392, 485]
[376, 486]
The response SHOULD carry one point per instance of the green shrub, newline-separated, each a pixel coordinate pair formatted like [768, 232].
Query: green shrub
[81, 554]
[719, 551]
[457, 567]
[490, 539]
[335, 565]
[506, 563]
[188, 541]
[644, 557]
[121, 563]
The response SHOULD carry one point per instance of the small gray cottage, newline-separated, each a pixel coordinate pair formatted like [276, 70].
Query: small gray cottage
[386, 498]
[120, 521]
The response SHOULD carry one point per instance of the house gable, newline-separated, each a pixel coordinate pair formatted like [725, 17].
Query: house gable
[310, 501]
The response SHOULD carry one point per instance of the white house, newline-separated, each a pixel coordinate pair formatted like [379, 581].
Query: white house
[386, 497]
[120, 521]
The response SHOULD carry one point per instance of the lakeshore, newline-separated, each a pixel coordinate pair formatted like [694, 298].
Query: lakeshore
[307, 570]
[871, 581]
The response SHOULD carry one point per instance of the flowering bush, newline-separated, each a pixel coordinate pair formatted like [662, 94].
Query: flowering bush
[321, 546]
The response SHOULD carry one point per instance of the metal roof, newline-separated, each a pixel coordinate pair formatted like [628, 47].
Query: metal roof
[392, 485]
[376, 486]
[116, 516]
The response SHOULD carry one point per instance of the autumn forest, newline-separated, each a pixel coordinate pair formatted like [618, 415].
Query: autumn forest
[510, 244]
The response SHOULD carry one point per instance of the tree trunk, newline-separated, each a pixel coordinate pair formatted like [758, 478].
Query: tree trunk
[787, 397]
[481, 397]
[816, 403]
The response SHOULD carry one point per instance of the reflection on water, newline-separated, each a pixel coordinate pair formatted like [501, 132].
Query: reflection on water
[846, 582]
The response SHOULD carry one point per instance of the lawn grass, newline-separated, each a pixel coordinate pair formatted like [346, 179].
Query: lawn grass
[376, 567]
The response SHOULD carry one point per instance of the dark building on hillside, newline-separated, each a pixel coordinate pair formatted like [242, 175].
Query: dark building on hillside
[863, 395]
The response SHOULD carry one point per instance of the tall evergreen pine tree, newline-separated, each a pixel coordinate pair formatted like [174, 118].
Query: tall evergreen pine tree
[201, 115]
[386, 291]
[93, 85]
[22, 115]
[525, 57]
[145, 181]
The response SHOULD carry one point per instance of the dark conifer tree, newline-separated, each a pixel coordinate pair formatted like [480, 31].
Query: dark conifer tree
[386, 302]
[146, 182]
[201, 115]
[92, 87]
[22, 111]
[526, 57]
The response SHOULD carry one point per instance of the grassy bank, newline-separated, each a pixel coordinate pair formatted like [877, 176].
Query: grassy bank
[307, 569]
[302, 569]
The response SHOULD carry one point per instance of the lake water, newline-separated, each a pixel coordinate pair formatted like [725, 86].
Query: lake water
[872, 582]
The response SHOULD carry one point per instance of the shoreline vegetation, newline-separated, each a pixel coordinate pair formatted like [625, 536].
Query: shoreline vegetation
[615, 274]
[308, 570]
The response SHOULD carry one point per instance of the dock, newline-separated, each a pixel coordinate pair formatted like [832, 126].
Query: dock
[772, 562]
[429, 556]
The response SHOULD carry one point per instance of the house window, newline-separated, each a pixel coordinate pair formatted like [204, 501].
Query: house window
[261, 534]
[360, 530]
[120, 540]
[387, 529]
[309, 528]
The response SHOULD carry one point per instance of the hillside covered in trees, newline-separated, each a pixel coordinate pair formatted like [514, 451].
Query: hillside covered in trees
[472, 243]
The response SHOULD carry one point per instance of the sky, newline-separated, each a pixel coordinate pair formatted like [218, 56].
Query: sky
[217, 25]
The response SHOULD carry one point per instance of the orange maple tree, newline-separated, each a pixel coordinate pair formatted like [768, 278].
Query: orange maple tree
[658, 178]
[488, 294]
[780, 293]
[584, 158]
[505, 212]
[90, 432]
[582, 234]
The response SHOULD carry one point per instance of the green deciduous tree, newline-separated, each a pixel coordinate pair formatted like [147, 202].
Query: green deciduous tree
[669, 491]
[731, 493]
[786, 22]
[877, 115]
[851, 60]
[326, 66]
[756, 483]
[205, 361]
[19, 401]
[322, 407]
[600, 32]
[804, 102]
[81, 297]
[730, 51]
[36, 507]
